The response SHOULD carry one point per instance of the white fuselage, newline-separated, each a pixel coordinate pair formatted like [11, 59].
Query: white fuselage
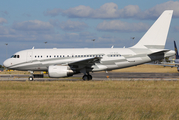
[111, 58]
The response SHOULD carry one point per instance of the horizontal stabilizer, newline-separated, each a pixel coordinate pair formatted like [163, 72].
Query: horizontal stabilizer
[159, 52]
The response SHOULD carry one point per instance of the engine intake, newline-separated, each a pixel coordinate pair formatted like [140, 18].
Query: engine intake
[59, 71]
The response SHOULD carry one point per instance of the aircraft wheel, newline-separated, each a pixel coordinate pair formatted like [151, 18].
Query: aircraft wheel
[85, 77]
[90, 77]
[31, 78]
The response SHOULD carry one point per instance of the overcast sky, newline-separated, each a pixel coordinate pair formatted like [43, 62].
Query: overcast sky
[74, 23]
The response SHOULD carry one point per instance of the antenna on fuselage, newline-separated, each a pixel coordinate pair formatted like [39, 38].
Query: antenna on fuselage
[33, 47]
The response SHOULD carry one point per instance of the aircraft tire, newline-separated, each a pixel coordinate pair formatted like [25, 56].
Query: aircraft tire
[31, 78]
[90, 77]
[85, 77]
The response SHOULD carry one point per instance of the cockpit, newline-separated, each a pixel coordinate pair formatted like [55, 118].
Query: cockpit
[15, 56]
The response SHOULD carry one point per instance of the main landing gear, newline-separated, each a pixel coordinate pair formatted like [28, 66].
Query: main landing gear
[87, 77]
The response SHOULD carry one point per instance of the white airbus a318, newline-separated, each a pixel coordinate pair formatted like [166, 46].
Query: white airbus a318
[67, 62]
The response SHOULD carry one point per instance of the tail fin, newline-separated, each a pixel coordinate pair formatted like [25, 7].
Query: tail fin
[156, 36]
[176, 51]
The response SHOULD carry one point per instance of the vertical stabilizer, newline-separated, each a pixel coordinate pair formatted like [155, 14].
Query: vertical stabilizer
[155, 37]
[176, 51]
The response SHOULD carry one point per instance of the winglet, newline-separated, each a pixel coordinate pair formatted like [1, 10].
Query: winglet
[155, 37]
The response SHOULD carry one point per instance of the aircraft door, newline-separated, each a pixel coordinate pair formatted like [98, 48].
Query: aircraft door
[29, 56]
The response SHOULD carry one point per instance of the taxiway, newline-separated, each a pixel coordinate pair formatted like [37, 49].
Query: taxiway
[99, 76]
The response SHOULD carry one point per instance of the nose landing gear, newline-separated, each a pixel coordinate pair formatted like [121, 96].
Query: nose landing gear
[32, 76]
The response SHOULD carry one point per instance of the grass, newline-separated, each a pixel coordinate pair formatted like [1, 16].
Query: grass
[89, 100]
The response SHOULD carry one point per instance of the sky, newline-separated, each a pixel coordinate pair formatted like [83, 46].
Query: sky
[75, 23]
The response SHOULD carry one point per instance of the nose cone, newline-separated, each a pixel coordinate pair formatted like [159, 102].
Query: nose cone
[7, 63]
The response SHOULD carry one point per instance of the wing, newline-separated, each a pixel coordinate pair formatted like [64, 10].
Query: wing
[85, 63]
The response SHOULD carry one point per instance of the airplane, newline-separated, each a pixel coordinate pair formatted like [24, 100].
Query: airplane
[176, 51]
[67, 62]
[174, 63]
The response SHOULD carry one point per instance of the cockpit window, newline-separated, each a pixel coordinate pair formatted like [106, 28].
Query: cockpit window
[15, 56]
[12, 56]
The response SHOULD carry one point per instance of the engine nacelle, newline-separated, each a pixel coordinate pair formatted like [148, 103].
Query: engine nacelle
[59, 71]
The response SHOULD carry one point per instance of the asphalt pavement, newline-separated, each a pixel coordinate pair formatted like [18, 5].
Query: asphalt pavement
[98, 76]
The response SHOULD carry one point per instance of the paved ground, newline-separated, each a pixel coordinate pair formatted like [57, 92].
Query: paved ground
[100, 76]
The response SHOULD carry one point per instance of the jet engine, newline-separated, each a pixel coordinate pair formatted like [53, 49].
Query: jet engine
[59, 71]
